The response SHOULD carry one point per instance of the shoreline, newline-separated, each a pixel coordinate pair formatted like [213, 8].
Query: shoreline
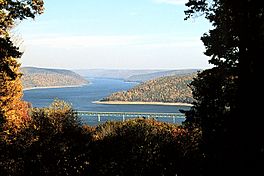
[54, 87]
[141, 103]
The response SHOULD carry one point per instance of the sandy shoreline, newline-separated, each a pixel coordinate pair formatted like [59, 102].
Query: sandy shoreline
[53, 87]
[141, 103]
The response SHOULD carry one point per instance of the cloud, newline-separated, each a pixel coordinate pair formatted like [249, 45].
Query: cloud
[128, 51]
[71, 42]
[174, 2]
[82, 41]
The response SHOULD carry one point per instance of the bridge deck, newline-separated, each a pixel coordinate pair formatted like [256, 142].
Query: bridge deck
[98, 117]
[145, 114]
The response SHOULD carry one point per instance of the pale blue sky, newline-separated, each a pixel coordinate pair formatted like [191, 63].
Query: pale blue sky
[128, 34]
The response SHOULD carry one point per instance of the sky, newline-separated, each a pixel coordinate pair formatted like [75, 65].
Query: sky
[113, 34]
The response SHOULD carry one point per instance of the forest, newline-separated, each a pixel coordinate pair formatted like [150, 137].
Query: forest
[169, 89]
[40, 77]
[222, 134]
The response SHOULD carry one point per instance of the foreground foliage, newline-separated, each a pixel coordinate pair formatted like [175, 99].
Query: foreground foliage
[55, 143]
[13, 111]
[225, 95]
[144, 147]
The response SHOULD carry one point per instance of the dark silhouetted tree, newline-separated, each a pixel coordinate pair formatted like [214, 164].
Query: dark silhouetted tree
[226, 95]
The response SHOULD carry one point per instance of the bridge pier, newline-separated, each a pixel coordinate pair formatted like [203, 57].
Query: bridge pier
[98, 118]
[123, 118]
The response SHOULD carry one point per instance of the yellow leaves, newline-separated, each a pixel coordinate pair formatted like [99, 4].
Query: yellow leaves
[58, 116]
[3, 2]
[60, 105]
[38, 6]
[35, 127]
[7, 132]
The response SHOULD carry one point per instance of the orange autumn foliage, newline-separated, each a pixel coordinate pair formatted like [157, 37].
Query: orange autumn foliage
[14, 110]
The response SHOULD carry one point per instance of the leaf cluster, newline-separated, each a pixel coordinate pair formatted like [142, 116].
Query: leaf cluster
[11, 11]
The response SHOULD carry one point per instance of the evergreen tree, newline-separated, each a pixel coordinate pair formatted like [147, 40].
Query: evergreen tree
[226, 95]
[13, 111]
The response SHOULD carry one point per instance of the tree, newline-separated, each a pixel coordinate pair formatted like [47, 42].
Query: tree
[225, 108]
[13, 111]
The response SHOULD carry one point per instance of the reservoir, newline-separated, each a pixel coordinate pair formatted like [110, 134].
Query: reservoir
[82, 98]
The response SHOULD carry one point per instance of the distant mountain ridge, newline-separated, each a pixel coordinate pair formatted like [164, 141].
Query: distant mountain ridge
[149, 76]
[113, 73]
[34, 77]
[134, 75]
[169, 89]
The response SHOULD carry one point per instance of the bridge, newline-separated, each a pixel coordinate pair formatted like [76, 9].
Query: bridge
[117, 116]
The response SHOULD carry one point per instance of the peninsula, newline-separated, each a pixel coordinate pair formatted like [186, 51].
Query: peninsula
[36, 78]
[168, 90]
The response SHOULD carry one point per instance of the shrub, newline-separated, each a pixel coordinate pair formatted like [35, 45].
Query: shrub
[144, 147]
[53, 144]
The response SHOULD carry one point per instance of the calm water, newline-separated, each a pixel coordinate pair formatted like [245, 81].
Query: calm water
[81, 98]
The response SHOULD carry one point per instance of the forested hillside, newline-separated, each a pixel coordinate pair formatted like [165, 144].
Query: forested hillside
[113, 73]
[42, 77]
[165, 89]
[148, 76]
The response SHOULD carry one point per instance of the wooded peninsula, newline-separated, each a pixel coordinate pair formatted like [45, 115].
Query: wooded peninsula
[168, 89]
[44, 78]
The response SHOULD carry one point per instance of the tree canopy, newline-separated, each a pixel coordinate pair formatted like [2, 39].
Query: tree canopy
[225, 94]
[13, 110]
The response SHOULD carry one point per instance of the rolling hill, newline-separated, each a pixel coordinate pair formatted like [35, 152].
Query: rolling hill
[169, 89]
[42, 77]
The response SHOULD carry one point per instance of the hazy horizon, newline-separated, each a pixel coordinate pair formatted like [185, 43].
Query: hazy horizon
[158, 69]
